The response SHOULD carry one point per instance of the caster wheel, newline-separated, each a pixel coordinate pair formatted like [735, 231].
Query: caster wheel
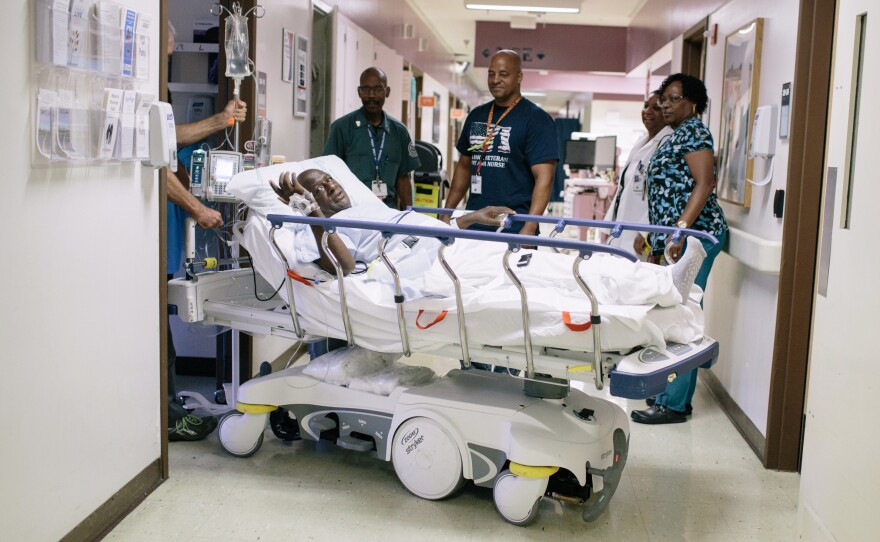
[242, 434]
[517, 498]
[283, 426]
[220, 397]
[427, 459]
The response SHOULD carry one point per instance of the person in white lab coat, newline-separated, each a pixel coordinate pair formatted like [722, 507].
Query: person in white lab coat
[630, 203]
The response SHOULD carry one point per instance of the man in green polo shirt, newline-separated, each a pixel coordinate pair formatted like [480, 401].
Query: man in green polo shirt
[376, 147]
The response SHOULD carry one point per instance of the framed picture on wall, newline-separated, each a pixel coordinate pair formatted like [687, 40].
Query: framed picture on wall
[286, 55]
[739, 101]
[301, 75]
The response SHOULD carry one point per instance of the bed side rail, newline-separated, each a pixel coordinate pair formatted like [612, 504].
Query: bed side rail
[615, 228]
[447, 236]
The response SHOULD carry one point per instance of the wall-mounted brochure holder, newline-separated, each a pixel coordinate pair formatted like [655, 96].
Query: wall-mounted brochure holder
[91, 58]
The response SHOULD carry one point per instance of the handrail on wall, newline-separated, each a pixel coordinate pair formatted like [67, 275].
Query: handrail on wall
[756, 252]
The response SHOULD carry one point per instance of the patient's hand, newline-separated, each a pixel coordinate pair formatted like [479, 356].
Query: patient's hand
[491, 216]
[288, 186]
[639, 244]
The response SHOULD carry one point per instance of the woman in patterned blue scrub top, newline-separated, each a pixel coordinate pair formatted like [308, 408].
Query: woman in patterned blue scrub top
[681, 193]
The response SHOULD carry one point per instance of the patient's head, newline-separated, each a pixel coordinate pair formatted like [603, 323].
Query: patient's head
[329, 194]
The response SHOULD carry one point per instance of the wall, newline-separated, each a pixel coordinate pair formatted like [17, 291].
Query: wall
[385, 20]
[80, 317]
[741, 305]
[548, 46]
[619, 118]
[290, 134]
[392, 64]
[660, 21]
[431, 86]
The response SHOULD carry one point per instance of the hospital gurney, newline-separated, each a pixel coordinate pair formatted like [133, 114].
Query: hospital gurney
[527, 438]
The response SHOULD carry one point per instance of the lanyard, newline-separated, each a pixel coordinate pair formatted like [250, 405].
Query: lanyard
[376, 157]
[490, 130]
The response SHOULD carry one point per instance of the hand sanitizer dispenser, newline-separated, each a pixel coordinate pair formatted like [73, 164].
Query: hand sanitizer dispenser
[763, 140]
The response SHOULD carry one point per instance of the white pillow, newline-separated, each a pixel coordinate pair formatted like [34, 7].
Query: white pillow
[252, 186]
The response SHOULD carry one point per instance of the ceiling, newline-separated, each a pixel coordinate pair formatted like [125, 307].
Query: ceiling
[455, 27]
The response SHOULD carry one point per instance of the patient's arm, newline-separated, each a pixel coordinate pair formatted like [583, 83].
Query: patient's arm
[286, 187]
[489, 216]
[336, 246]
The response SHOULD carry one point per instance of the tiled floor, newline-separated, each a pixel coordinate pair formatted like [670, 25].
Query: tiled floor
[692, 481]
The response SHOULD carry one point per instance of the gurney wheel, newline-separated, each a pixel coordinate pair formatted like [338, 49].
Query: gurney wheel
[517, 498]
[242, 434]
[427, 459]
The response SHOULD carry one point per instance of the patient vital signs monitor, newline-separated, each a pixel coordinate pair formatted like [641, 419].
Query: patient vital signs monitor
[222, 165]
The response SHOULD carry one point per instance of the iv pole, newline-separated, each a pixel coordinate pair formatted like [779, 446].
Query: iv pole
[238, 65]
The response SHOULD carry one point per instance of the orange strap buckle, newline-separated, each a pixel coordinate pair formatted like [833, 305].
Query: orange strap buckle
[566, 319]
[439, 318]
[294, 276]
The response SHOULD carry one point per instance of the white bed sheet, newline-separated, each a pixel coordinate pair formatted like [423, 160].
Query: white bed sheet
[492, 303]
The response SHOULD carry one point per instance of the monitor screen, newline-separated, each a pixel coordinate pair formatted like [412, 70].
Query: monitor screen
[606, 153]
[580, 153]
[225, 169]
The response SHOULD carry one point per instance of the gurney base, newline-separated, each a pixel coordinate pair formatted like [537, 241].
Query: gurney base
[546, 387]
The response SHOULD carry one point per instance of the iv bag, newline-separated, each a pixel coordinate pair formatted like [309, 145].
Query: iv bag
[237, 47]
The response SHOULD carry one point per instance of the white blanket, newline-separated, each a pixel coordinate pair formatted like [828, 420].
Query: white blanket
[639, 306]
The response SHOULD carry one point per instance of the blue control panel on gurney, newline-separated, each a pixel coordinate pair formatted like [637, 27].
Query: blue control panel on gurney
[647, 372]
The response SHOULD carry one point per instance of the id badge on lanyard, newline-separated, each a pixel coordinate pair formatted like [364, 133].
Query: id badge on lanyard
[380, 189]
[639, 180]
[476, 184]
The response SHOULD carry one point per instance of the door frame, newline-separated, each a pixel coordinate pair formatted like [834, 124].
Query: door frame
[800, 234]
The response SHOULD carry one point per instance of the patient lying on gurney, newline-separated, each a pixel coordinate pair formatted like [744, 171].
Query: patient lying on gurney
[614, 280]
[640, 304]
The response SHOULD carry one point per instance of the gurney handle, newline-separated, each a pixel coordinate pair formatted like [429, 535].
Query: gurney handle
[398, 298]
[290, 297]
[325, 241]
[462, 330]
[595, 320]
[530, 362]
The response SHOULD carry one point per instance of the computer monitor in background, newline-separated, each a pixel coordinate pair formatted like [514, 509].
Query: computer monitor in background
[580, 153]
[606, 153]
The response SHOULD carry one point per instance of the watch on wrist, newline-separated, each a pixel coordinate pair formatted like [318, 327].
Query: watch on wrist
[681, 224]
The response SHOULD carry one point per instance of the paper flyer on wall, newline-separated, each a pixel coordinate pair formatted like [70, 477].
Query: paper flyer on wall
[60, 20]
[142, 47]
[71, 127]
[109, 128]
[107, 46]
[127, 125]
[46, 102]
[77, 36]
[128, 27]
[142, 124]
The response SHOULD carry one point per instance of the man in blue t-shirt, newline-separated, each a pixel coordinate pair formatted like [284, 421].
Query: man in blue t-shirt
[508, 149]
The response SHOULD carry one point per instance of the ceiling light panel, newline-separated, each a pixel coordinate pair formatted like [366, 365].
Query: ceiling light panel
[552, 6]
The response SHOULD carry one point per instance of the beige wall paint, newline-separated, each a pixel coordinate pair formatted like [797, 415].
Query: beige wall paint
[79, 323]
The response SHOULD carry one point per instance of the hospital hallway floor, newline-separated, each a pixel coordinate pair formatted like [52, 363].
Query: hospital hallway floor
[693, 481]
